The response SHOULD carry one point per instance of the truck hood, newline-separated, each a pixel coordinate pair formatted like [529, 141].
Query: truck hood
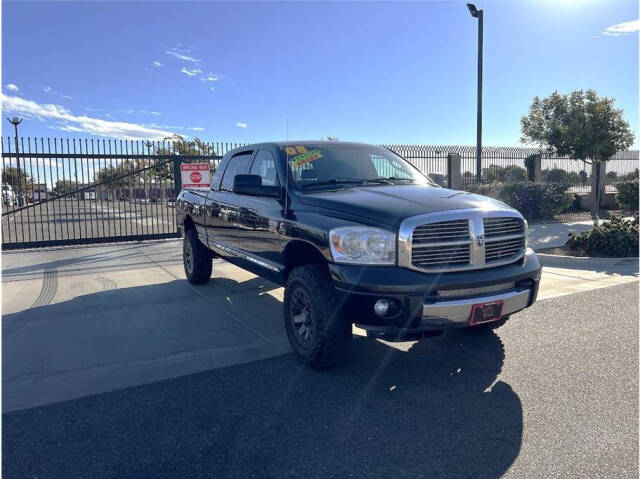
[392, 204]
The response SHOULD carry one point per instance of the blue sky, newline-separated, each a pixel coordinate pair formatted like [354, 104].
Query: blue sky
[373, 72]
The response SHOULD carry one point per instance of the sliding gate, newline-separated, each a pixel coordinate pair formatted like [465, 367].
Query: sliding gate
[63, 192]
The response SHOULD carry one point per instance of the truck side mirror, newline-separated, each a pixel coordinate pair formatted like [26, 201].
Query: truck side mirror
[252, 185]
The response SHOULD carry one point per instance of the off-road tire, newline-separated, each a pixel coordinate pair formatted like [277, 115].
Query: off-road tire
[199, 270]
[490, 326]
[332, 332]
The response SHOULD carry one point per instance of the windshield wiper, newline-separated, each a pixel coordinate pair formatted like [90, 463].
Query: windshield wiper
[393, 178]
[356, 181]
[335, 181]
[379, 181]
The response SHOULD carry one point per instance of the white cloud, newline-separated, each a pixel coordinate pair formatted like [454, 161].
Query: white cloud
[624, 28]
[191, 73]
[12, 87]
[197, 128]
[157, 64]
[241, 124]
[212, 88]
[210, 77]
[80, 123]
[182, 54]
[131, 111]
[47, 89]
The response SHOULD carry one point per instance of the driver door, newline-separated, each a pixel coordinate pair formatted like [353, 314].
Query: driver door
[260, 217]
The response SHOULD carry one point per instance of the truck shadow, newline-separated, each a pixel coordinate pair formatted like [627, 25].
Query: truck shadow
[434, 409]
[431, 408]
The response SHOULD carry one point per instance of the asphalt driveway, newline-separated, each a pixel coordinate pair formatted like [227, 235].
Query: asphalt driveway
[553, 394]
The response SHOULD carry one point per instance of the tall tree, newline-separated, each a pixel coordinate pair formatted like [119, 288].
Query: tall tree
[178, 145]
[65, 186]
[20, 183]
[582, 126]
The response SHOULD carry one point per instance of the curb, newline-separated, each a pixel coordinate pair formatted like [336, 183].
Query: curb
[589, 262]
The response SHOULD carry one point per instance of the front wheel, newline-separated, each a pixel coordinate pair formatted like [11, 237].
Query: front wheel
[196, 258]
[318, 334]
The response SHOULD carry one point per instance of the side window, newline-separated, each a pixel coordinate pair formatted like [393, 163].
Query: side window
[237, 166]
[217, 176]
[265, 166]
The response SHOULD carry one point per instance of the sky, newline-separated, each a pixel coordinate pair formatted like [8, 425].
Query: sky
[373, 72]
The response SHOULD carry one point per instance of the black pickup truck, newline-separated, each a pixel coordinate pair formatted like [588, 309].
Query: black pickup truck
[357, 235]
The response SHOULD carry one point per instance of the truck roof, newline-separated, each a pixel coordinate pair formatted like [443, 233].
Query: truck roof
[299, 142]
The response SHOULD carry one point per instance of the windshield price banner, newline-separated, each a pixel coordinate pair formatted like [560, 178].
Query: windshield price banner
[195, 175]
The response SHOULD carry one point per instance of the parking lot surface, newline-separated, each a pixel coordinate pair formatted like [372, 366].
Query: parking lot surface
[552, 394]
[87, 320]
[75, 218]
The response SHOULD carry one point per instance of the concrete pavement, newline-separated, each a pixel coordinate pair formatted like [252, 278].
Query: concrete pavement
[87, 320]
[551, 235]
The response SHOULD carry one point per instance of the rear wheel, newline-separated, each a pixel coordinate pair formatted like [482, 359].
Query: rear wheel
[196, 258]
[318, 334]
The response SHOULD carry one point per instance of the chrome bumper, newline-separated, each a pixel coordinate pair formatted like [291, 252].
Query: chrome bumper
[458, 311]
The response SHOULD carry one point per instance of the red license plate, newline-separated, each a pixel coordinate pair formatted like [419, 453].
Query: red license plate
[485, 312]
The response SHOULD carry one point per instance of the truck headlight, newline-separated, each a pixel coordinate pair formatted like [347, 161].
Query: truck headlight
[362, 245]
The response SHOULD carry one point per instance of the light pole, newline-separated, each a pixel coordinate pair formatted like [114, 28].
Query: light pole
[479, 15]
[15, 122]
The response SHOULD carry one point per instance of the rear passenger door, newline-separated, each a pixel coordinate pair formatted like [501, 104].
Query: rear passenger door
[223, 210]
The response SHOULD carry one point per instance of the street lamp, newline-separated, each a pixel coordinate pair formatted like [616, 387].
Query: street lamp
[475, 13]
[15, 121]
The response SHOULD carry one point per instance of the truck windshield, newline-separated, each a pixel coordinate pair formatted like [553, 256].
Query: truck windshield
[322, 164]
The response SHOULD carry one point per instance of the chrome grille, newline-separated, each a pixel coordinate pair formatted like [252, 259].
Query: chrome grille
[442, 244]
[459, 240]
[502, 227]
[443, 231]
[501, 250]
[449, 256]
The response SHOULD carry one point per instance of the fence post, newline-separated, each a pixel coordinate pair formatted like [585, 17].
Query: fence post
[454, 177]
[537, 169]
[177, 177]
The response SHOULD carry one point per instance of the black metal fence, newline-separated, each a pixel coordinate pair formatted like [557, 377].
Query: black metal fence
[504, 165]
[509, 164]
[65, 191]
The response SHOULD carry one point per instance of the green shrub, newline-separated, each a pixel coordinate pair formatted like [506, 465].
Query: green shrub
[491, 189]
[515, 174]
[616, 237]
[537, 200]
[534, 200]
[628, 195]
[557, 175]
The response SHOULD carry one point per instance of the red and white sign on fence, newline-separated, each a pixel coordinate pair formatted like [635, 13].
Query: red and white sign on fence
[195, 175]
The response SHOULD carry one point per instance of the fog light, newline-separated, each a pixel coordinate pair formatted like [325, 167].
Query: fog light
[381, 307]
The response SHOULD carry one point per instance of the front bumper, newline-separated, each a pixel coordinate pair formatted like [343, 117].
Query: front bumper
[427, 302]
